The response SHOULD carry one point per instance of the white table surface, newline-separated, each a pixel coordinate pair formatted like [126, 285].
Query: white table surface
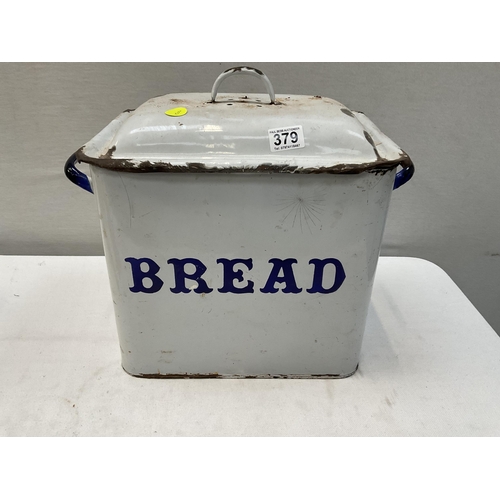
[430, 366]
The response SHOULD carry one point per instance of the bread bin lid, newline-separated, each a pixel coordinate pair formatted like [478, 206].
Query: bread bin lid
[236, 132]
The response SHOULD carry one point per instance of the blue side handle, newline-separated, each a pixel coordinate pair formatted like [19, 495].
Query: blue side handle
[75, 176]
[403, 176]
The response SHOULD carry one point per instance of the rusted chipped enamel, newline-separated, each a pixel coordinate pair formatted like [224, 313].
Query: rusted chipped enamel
[231, 135]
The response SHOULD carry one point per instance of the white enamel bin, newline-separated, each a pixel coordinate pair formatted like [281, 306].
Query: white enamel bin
[241, 232]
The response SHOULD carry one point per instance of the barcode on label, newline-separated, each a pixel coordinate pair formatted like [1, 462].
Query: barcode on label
[281, 139]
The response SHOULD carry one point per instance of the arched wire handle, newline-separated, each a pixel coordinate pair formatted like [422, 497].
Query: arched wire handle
[247, 71]
[75, 176]
[403, 176]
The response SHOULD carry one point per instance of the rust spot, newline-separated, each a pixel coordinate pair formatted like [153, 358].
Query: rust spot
[269, 167]
[177, 375]
[109, 153]
[380, 166]
[239, 376]
[369, 138]
[239, 68]
[248, 103]
[347, 112]
[195, 166]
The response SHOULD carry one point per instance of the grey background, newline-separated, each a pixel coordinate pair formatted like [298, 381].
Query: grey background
[446, 116]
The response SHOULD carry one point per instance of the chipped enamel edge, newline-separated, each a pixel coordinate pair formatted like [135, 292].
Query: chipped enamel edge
[99, 152]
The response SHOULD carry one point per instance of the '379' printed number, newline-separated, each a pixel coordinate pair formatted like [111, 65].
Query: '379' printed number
[282, 138]
[286, 138]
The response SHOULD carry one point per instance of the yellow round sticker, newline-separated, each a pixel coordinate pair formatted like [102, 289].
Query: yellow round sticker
[176, 111]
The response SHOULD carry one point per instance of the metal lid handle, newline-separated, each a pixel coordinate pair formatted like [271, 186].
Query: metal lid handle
[243, 70]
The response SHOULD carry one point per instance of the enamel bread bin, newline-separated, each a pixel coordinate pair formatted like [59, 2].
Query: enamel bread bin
[241, 231]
